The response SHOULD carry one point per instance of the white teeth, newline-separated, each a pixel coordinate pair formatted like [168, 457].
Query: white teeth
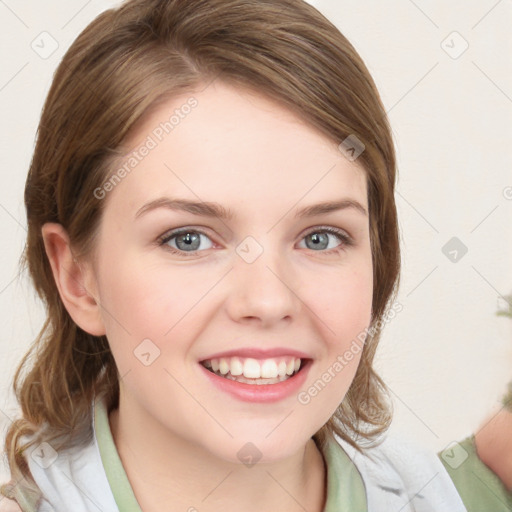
[224, 366]
[269, 369]
[252, 369]
[277, 369]
[236, 367]
[257, 382]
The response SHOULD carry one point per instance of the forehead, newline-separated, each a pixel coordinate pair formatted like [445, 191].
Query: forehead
[233, 146]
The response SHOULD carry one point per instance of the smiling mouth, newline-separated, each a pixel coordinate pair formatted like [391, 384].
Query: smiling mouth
[253, 371]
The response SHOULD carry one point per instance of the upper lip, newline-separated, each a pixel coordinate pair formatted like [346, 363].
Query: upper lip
[258, 353]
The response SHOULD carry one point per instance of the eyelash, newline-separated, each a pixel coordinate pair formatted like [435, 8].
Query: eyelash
[346, 241]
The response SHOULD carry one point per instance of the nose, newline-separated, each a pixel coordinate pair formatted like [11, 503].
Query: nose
[262, 291]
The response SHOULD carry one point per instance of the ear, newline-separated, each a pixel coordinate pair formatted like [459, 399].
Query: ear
[76, 283]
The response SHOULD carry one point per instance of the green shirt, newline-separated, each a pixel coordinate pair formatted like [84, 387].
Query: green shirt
[480, 489]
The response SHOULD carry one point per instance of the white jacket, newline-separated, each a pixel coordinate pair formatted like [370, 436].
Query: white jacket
[394, 476]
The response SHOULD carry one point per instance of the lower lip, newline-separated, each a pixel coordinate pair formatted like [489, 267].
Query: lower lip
[260, 392]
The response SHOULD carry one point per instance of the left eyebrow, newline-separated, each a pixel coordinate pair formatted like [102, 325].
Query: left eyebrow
[211, 209]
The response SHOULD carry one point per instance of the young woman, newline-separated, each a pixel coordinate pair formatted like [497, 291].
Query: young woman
[212, 227]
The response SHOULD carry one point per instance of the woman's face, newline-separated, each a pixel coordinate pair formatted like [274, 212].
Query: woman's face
[266, 282]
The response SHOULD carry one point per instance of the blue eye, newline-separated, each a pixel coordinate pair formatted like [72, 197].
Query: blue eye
[320, 239]
[187, 242]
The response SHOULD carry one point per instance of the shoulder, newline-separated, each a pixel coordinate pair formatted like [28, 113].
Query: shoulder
[8, 505]
[494, 445]
[400, 472]
[403, 455]
[478, 485]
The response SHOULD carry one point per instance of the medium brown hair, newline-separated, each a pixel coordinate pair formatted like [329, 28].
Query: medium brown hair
[127, 61]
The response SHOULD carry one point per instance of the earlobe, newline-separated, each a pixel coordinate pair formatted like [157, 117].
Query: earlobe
[71, 278]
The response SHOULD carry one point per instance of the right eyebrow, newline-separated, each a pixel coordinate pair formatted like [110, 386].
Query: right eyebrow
[203, 208]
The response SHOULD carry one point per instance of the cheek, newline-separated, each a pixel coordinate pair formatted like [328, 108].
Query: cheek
[344, 311]
[344, 302]
[147, 300]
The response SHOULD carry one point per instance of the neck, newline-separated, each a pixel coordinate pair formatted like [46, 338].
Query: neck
[168, 472]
